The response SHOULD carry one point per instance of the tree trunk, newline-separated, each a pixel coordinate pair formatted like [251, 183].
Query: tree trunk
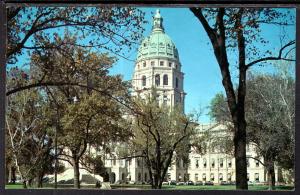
[8, 178]
[30, 182]
[271, 174]
[39, 180]
[13, 169]
[76, 173]
[240, 155]
[24, 184]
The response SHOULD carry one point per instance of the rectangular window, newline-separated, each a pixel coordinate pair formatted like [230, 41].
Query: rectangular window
[161, 63]
[152, 63]
[257, 163]
[165, 101]
[170, 64]
[229, 177]
[144, 64]
[256, 176]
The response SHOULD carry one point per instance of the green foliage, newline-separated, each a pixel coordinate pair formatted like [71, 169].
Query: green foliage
[159, 133]
[270, 112]
[219, 109]
[28, 143]
[114, 29]
[271, 115]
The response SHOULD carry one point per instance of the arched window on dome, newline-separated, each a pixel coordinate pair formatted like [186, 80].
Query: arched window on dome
[165, 79]
[157, 80]
[176, 82]
[144, 80]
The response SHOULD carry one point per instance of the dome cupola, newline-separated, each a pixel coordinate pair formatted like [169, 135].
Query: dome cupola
[157, 44]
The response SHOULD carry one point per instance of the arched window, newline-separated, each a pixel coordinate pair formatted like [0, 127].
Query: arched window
[176, 82]
[157, 80]
[197, 163]
[204, 162]
[213, 163]
[165, 79]
[221, 176]
[229, 163]
[221, 162]
[144, 80]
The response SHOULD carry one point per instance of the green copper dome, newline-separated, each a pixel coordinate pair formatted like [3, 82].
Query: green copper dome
[157, 44]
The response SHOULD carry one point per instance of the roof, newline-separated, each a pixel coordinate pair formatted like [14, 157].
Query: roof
[158, 44]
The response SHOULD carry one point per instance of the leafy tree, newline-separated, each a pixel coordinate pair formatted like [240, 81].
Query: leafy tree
[27, 132]
[31, 28]
[40, 29]
[93, 121]
[238, 30]
[159, 133]
[270, 116]
[95, 118]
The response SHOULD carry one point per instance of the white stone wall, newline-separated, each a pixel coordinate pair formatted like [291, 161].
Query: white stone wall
[150, 68]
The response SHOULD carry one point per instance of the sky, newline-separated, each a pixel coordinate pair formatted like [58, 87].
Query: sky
[202, 77]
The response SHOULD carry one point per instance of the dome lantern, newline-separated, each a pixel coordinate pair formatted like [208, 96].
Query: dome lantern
[157, 22]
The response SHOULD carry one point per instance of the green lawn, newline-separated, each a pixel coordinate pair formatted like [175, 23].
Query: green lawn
[14, 186]
[166, 187]
[223, 187]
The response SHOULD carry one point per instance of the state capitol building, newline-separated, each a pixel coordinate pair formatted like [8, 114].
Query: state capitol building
[158, 65]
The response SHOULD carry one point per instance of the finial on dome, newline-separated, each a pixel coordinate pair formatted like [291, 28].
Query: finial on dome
[157, 13]
[157, 22]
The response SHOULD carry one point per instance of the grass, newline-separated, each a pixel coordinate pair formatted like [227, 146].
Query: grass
[225, 187]
[13, 186]
[165, 187]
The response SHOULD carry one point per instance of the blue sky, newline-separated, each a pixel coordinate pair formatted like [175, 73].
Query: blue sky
[202, 78]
